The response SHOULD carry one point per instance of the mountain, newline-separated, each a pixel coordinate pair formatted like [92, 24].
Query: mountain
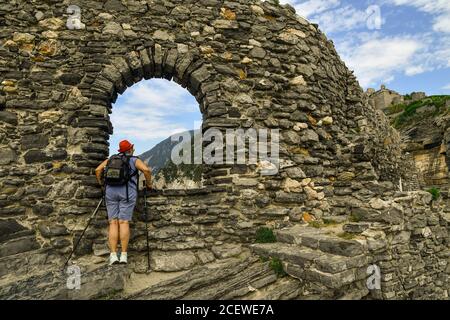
[166, 174]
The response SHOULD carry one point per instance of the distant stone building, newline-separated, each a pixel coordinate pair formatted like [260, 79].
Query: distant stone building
[417, 96]
[384, 98]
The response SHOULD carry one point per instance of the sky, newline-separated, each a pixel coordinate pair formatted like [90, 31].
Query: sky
[151, 111]
[404, 44]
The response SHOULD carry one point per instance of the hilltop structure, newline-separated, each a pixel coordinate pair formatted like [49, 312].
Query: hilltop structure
[385, 98]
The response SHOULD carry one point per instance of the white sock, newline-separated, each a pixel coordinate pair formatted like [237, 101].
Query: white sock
[113, 254]
[123, 254]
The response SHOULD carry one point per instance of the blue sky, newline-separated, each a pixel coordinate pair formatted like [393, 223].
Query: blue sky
[150, 111]
[404, 44]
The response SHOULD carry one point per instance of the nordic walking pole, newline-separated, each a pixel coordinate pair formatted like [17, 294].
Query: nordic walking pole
[87, 226]
[146, 228]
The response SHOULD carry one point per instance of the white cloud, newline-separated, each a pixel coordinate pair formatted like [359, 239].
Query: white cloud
[153, 109]
[159, 97]
[413, 70]
[447, 87]
[431, 6]
[442, 23]
[333, 16]
[380, 55]
[342, 19]
[378, 59]
[442, 52]
[439, 8]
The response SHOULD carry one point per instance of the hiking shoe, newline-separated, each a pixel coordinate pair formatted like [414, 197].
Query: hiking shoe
[113, 259]
[123, 258]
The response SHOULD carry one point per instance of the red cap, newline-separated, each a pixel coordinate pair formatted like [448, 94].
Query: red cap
[125, 146]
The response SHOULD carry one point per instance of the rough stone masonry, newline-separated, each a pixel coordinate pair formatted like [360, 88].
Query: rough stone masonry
[250, 64]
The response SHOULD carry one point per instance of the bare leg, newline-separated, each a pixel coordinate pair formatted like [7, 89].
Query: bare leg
[124, 231]
[113, 235]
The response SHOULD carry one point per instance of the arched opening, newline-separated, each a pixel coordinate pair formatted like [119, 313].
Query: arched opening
[183, 224]
[148, 114]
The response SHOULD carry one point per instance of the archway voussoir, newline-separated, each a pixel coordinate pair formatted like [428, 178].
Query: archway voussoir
[170, 62]
[135, 65]
[187, 74]
[198, 77]
[158, 58]
[113, 74]
[122, 65]
[102, 84]
[183, 64]
[209, 87]
[148, 66]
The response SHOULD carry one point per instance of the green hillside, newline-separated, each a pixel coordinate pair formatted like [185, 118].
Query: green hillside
[429, 107]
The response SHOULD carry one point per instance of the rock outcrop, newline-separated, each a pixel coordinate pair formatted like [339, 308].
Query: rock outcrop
[426, 139]
[423, 123]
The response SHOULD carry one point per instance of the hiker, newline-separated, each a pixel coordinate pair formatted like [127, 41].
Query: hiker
[121, 176]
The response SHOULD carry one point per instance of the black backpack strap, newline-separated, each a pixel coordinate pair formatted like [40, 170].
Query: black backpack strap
[135, 172]
[126, 185]
[108, 163]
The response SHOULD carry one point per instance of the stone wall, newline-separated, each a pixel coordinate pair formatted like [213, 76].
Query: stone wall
[427, 143]
[408, 238]
[249, 64]
[405, 238]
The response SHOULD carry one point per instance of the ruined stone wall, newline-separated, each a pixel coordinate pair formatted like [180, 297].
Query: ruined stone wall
[389, 248]
[249, 64]
[408, 238]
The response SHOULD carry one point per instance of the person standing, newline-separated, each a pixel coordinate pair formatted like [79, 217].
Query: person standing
[121, 174]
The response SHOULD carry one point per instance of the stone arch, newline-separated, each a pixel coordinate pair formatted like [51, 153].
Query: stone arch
[183, 66]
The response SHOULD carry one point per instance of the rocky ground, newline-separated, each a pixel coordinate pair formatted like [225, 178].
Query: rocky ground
[241, 276]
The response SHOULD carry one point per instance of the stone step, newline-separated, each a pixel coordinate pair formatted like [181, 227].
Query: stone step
[305, 263]
[320, 240]
[307, 257]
